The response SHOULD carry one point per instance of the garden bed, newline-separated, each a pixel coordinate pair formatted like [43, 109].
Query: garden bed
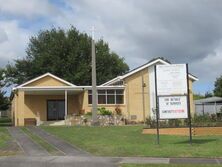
[184, 131]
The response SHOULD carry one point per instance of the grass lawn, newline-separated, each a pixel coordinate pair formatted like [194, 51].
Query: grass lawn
[6, 144]
[51, 149]
[169, 165]
[5, 121]
[4, 137]
[128, 141]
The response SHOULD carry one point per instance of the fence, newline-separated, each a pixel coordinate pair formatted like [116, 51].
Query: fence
[5, 113]
[208, 108]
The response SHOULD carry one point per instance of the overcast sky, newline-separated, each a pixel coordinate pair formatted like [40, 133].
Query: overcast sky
[182, 31]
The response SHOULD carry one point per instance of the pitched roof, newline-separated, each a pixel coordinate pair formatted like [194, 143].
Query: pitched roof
[150, 63]
[45, 75]
[208, 100]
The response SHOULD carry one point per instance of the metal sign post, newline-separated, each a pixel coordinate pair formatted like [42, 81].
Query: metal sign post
[188, 105]
[157, 109]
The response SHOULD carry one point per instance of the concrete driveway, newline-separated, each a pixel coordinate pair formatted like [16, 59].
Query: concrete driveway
[31, 148]
[28, 146]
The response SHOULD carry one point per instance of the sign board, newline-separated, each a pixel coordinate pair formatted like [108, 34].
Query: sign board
[173, 107]
[171, 79]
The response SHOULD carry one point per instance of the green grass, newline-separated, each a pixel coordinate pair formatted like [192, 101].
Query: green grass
[49, 148]
[128, 141]
[4, 137]
[5, 121]
[168, 165]
[6, 143]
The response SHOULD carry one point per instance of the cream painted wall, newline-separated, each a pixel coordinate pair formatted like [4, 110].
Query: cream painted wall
[35, 106]
[134, 95]
[47, 81]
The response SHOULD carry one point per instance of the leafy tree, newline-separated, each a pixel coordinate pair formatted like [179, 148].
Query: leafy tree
[66, 54]
[4, 102]
[208, 94]
[218, 87]
[198, 96]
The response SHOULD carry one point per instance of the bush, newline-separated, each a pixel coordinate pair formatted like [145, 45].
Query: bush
[174, 122]
[88, 114]
[207, 120]
[104, 111]
[118, 110]
[150, 122]
[202, 118]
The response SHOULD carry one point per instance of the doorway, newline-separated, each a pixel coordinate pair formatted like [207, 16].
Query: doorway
[55, 110]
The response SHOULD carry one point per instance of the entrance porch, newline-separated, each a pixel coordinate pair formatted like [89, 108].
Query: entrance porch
[48, 106]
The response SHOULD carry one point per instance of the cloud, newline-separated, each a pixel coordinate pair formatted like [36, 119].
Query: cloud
[3, 36]
[28, 8]
[183, 31]
[168, 29]
[15, 42]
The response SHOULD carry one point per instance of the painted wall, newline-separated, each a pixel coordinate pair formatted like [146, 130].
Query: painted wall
[47, 81]
[35, 106]
[137, 100]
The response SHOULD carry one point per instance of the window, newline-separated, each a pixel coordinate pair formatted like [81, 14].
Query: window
[110, 96]
[101, 96]
[89, 96]
[119, 97]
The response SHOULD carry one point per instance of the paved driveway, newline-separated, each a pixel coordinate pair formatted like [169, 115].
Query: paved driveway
[28, 146]
[61, 145]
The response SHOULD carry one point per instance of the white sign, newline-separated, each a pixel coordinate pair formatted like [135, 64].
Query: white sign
[171, 79]
[173, 107]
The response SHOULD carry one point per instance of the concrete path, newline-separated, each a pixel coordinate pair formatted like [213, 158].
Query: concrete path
[58, 161]
[26, 143]
[148, 160]
[60, 144]
[91, 161]
[196, 160]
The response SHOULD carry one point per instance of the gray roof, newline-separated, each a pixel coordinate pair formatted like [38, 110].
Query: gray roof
[208, 100]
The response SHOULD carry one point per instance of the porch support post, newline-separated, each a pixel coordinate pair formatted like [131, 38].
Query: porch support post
[66, 110]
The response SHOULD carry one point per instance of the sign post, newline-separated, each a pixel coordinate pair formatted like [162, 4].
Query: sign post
[188, 105]
[157, 109]
[172, 94]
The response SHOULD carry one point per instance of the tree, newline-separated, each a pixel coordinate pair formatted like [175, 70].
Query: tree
[218, 87]
[4, 102]
[208, 94]
[66, 54]
[198, 96]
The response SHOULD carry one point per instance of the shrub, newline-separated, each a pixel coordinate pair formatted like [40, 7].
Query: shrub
[202, 118]
[88, 114]
[118, 110]
[150, 122]
[104, 111]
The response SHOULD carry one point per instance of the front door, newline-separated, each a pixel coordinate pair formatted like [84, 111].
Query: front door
[55, 110]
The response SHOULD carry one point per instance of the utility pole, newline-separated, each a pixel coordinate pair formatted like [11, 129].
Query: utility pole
[94, 89]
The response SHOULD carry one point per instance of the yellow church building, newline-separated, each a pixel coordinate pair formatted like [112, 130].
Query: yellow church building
[50, 98]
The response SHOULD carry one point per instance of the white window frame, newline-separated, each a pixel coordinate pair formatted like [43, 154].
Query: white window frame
[106, 96]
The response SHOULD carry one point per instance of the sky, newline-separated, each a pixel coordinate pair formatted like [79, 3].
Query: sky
[182, 31]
